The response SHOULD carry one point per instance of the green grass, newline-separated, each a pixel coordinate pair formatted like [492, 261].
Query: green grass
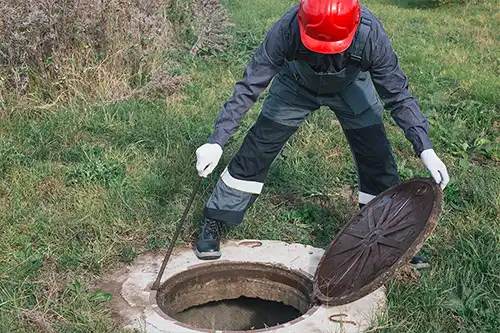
[86, 189]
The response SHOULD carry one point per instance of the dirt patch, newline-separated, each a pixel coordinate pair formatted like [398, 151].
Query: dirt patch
[119, 307]
[406, 274]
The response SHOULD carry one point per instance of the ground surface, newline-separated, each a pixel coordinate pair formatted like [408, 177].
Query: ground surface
[85, 189]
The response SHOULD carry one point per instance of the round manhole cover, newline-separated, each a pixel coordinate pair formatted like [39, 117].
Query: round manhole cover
[385, 235]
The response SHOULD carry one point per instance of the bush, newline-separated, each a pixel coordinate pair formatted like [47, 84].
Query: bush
[69, 50]
[212, 25]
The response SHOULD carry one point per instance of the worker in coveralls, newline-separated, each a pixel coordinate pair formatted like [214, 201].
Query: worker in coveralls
[331, 53]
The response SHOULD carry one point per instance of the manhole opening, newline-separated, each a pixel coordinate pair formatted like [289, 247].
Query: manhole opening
[235, 296]
[238, 314]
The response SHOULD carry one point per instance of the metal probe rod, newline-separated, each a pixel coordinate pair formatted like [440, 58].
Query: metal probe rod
[156, 285]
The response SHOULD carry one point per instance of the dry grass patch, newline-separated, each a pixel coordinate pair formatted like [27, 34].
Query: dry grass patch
[37, 320]
[54, 51]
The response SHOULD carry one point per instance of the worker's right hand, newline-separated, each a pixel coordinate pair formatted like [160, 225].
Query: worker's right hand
[207, 158]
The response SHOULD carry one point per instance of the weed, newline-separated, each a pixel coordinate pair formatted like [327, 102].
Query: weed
[127, 254]
[92, 167]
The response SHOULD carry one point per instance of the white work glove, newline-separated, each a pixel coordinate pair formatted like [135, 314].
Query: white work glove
[207, 158]
[436, 167]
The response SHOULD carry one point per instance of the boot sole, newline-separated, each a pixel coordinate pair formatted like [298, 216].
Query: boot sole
[207, 255]
[421, 265]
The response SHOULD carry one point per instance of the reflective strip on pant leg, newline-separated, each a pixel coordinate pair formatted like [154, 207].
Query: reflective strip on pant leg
[228, 204]
[241, 185]
[364, 198]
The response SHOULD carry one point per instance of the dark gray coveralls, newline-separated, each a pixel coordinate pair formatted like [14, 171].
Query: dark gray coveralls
[304, 81]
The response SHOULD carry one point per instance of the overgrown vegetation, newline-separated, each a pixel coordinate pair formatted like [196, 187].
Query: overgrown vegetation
[86, 188]
[55, 52]
[212, 33]
[81, 50]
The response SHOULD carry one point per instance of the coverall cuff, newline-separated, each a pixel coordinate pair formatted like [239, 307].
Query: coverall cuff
[424, 144]
[218, 139]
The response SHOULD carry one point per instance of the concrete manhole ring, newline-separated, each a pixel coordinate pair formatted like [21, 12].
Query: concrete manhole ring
[270, 270]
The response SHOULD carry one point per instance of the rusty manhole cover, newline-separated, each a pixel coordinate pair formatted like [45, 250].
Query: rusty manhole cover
[385, 235]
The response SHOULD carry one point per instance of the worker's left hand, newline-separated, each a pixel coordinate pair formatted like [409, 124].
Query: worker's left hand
[436, 167]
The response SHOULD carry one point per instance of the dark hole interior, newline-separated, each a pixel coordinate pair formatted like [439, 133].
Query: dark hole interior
[236, 296]
[238, 314]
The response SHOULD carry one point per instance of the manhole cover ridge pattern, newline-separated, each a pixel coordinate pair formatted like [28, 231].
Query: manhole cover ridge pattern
[381, 238]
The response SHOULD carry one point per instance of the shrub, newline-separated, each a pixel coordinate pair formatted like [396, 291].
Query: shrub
[212, 25]
[69, 50]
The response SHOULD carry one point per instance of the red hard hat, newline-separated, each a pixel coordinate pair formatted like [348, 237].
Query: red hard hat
[328, 26]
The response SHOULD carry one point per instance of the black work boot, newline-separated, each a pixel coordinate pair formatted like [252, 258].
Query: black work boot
[420, 262]
[208, 242]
